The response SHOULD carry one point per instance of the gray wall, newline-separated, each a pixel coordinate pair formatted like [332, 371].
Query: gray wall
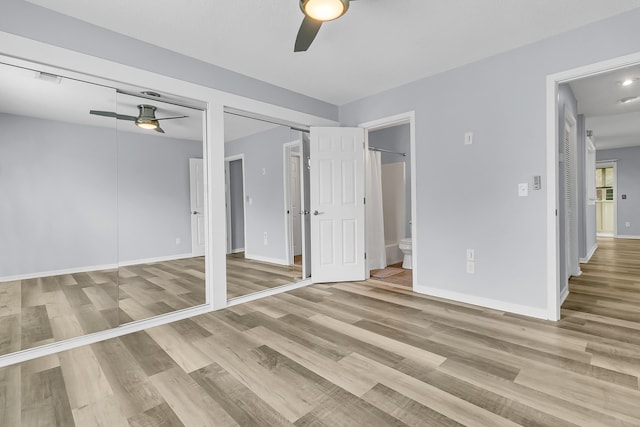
[502, 100]
[58, 204]
[236, 201]
[629, 184]
[34, 22]
[154, 195]
[266, 190]
[72, 199]
[398, 139]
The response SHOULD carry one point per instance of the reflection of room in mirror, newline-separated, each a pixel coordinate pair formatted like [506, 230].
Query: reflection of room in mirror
[265, 196]
[84, 194]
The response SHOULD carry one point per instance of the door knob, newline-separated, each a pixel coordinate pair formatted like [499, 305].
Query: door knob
[195, 212]
[317, 213]
[304, 212]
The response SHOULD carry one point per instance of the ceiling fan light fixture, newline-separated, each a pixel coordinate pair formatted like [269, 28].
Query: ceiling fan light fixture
[147, 124]
[324, 10]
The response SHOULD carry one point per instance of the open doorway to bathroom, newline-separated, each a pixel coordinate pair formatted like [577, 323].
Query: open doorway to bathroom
[389, 204]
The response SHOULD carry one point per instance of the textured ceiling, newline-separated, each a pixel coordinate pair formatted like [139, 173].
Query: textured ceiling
[377, 45]
[613, 123]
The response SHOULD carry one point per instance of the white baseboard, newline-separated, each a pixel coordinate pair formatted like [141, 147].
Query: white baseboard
[268, 292]
[266, 259]
[590, 254]
[237, 251]
[564, 294]
[155, 259]
[540, 313]
[93, 268]
[59, 272]
[627, 236]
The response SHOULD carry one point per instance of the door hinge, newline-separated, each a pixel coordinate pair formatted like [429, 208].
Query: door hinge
[365, 255]
[556, 212]
[364, 200]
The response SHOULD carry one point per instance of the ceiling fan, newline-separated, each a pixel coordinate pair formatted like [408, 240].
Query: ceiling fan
[146, 117]
[315, 13]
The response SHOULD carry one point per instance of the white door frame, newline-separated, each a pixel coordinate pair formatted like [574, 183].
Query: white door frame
[553, 235]
[194, 215]
[387, 122]
[612, 164]
[229, 239]
[572, 257]
[288, 218]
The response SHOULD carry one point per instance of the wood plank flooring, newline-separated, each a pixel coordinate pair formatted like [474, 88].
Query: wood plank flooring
[48, 309]
[351, 354]
[246, 276]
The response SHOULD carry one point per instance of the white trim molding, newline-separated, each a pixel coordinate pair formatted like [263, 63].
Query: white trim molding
[586, 259]
[525, 310]
[88, 269]
[409, 118]
[260, 258]
[564, 295]
[627, 236]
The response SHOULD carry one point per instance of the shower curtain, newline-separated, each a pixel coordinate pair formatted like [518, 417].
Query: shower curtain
[376, 252]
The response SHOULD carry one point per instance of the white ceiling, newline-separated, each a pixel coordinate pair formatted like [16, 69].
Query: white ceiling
[614, 124]
[377, 45]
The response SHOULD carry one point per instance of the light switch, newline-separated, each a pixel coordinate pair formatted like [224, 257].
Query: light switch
[523, 189]
[468, 138]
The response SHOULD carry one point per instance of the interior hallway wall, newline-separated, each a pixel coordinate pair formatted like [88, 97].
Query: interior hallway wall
[502, 100]
[264, 192]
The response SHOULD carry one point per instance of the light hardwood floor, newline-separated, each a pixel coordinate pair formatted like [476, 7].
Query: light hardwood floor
[355, 354]
[48, 309]
[246, 276]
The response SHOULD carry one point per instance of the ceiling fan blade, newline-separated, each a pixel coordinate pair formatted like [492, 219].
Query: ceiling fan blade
[112, 114]
[307, 32]
[169, 118]
[159, 129]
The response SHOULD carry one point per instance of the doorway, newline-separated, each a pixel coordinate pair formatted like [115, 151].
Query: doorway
[293, 201]
[606, 199]
[394, 139]
[234, 203]
[598, 95]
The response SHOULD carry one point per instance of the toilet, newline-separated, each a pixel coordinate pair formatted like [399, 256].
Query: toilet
[405, 247]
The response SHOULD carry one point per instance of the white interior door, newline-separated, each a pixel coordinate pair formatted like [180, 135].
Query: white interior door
[294, 199]
[196, 180]
[337, 204]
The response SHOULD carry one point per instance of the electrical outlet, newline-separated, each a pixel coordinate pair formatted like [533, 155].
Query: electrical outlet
[471, 255]
[177, 240]
[266, 239]
[471, 267]
[523, 189]
[627, 224]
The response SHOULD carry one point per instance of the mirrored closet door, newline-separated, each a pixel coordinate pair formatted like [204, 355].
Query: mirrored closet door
[267, 176]
[102, 208]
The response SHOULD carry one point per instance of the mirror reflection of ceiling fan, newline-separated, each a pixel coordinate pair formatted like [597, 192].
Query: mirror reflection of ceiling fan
[315, 13]
[146, 118]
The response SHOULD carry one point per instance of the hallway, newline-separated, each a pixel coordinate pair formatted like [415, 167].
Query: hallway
[609, 287]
